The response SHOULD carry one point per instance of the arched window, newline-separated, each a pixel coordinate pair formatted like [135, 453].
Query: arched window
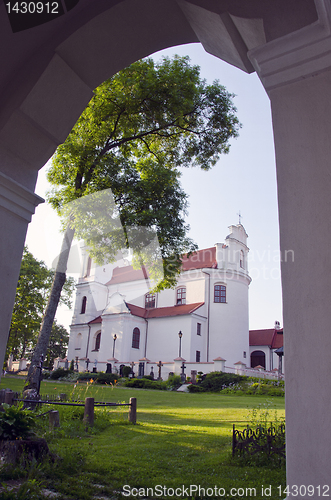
[181, 296]
[97, 341]
[136, 338]
[220, 293]
[242, 263]
[149, 300]
[83, 308]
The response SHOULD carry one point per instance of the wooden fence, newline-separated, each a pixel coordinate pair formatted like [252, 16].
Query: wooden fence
[89, 404]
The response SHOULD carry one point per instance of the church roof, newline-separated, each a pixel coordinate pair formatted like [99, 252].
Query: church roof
[197, 260]
[200, 259]
[125, 274]
[98, 319]
[270, 337]
[161, 312]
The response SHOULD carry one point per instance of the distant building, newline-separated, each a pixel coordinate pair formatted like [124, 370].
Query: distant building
[262, 347]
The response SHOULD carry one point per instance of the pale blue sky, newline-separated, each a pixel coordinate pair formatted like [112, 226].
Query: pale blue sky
[244, 180]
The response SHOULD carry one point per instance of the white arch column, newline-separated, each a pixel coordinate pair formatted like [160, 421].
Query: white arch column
[296, 73]
[17, 205]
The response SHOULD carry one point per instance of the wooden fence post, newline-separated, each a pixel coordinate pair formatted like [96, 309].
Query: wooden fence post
[89, 411]
[133, 410]
[9, 396]
[54, 419]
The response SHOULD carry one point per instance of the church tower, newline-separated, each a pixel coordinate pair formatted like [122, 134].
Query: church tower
[227, 298]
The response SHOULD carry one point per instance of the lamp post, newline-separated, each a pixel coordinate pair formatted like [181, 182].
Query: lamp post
[180, 343]
[114, 337]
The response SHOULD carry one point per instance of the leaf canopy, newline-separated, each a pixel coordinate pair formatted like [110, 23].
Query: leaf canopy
[141, 126]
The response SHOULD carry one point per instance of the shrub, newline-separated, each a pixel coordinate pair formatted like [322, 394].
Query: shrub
[15, 423]
[195, 388]
[216, 381]
[173, 382]
[145, 383]
[126, 371]
[86, 376]
[106, 378]
[59, 373]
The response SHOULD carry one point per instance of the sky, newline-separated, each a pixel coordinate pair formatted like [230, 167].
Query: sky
[243, 181]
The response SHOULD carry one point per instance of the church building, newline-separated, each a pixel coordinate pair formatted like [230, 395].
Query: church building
[203, 321]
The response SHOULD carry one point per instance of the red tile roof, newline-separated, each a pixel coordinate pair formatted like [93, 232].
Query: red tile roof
[125, 274]
[95, 320]
[200, 259]
[271, 337]
[161, 312]
[197, 260]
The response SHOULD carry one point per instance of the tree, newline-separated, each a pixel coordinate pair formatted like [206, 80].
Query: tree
[141, 126]
[58, 343]
[33, 287]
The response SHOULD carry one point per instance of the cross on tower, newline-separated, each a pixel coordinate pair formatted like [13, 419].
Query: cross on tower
[240, 216]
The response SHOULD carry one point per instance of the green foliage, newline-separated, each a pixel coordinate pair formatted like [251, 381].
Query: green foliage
[34, 283]
[229, 383]
[216, 381]
[107, 378]
[126, 371]
[15, 423]
[268, 431]
[58, 343]
[99, 378]
[146, 383]
[30, 489]
[173, 382]
[141, 126]
[192, 430]
[59, 373]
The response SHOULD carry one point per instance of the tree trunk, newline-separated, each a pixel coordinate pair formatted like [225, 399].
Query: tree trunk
[33, 377]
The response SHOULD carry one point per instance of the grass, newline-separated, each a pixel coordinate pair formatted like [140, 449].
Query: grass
[179, 439]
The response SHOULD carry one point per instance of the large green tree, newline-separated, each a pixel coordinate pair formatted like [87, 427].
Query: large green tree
[141, 126]
[33, 288]
[58, 343]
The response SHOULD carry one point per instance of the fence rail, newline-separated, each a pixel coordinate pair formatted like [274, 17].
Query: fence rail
[10, 397]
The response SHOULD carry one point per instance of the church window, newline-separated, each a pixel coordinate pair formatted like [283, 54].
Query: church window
[149, 300]
[83, 308]
[97, 341]
[220, 293]
[198, 328]
[181, 296]
[242, 259]
[197, 356]
[136, 338]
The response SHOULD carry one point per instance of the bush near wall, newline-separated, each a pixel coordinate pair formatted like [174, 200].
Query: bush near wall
[229, 383]
[99, 378]
[215, 382]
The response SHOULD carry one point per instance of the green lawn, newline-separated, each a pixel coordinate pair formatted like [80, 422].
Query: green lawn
[179, 439]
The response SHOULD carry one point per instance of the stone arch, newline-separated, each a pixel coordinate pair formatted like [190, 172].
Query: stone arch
[48, 75]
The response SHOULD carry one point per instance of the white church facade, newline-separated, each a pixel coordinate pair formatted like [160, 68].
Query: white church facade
[203, 321]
